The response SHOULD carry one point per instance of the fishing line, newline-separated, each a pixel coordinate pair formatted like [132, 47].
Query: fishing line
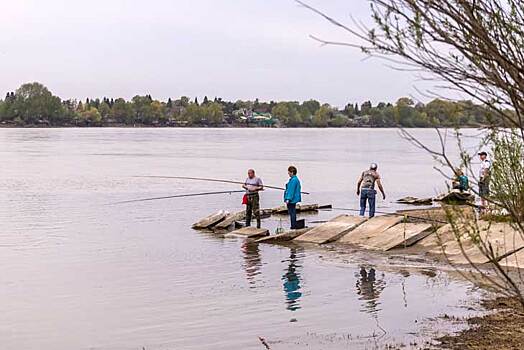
[178, 196]
[210, 180]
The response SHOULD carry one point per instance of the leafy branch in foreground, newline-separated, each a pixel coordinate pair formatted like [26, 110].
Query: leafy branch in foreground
[474, 47]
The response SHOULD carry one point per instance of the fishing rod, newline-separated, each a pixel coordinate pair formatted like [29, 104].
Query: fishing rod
[211, 180]
[399, 214]
[178, 196]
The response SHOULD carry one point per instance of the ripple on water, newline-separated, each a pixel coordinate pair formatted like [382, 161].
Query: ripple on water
[79, 273]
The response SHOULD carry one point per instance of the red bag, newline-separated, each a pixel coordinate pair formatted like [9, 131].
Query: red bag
[244, 199]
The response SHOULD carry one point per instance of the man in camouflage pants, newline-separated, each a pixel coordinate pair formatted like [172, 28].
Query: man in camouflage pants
[253, 185]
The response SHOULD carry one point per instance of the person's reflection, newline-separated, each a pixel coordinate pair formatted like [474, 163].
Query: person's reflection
[252, 261]
[291, 280]
[369, 288]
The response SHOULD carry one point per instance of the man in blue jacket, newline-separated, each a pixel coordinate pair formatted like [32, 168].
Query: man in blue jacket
[292, 195]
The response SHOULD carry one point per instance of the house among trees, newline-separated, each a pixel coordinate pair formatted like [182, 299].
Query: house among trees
[259, 119]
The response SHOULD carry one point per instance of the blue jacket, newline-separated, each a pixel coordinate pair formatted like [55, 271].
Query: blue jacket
[293, 189]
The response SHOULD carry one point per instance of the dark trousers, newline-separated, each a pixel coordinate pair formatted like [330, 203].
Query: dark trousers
[292, 210]
[253, 205]
[367, 194]
[483, 189]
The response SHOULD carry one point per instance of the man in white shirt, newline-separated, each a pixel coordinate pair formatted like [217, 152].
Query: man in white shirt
[253, 185]
[484, 171]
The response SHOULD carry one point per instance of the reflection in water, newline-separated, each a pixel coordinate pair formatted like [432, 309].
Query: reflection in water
[406, 274]
[369, 288]
[252, 261]
[291, 280]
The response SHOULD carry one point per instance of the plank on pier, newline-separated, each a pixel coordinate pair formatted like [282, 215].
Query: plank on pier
[331, 230]
[401, 235]
[283, 237]
[250, 232]
[210, 220]
[370, 228]
[229, 220]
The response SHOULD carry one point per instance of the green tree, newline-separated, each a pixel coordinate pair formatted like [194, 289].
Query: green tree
[405, 112]
[104, 110]
[91, 117]
[287, 113]
[122, 111]
[157, 112]
[34, 102]
[365, 108]
[322, 116]
[214, 113]
[339, 121]
[142, 109]
[184, 101]
[193, 114]
[349, 110]
[446, 112]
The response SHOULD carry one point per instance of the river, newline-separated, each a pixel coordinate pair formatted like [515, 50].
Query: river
[81, 273]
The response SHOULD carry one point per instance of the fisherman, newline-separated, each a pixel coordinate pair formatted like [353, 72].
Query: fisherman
[292, 195]
[461, 181]
[366, 189]
[253, 185]
[484, 172]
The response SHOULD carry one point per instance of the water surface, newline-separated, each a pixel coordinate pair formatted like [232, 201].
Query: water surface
[78, 273]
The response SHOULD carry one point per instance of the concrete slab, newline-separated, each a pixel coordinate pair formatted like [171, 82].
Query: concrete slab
[503, 238]
[436, 214]
[370, 228]
[229, 220]
[399, 236]
[283, 237]
[249, 232]
[331, 230]
[515, 260]
[210, 220]
[431, 243]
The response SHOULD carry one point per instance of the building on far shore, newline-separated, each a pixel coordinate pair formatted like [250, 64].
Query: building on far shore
[255, 119]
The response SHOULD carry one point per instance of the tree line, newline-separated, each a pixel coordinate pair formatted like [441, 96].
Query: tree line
[34, 105]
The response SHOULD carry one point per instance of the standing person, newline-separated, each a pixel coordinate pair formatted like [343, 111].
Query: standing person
[366, 189]
[292, 195]
[253, 185]
[485, 166]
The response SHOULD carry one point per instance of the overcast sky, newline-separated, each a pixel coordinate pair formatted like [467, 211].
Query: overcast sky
[235, 49]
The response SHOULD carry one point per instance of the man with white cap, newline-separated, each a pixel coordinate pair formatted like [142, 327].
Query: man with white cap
[366, 189]
[484, 171]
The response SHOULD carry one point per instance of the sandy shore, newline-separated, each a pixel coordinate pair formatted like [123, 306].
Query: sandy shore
[501, 329]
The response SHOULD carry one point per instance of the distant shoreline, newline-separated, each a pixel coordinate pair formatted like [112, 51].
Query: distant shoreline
[33, 105]
[143, 126]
